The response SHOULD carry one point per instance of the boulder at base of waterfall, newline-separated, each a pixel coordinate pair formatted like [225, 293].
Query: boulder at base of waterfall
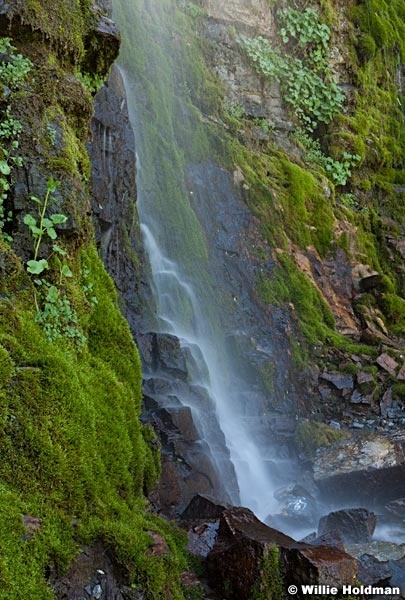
[368, 469]
[296, 502]
[396, 507]
[201, 519]
[355, 525]
[203, 507]
[248, 559]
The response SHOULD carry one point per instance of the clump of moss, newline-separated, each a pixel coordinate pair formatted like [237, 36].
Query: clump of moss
[310, 435]
[72, 446]
[271, 583]
[64, 22]
[287, 284]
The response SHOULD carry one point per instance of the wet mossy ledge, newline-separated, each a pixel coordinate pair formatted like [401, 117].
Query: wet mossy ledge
[75, 459]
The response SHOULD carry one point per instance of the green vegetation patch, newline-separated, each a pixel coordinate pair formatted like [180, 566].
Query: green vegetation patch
[73, 453]
[287, 284]
[310, 435]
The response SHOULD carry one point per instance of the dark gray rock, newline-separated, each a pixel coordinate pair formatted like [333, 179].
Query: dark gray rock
[93, 575]
[203, 507]
[112, 153]
[372, 570]
[340, 381]
[396, 507]
[202, 538]
[368, 468]
[330, 538]
[355, 525]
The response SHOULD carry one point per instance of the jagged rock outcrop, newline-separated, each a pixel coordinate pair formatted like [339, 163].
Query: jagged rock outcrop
[112, 154]
[368, 469]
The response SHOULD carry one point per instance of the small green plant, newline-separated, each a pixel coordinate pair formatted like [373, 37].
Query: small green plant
[234, 111]
[302, 69]
[306, 28]
[43, 226]
[56, 316]
[91, 81]
[338, 171]
[314, 96]
[52, 134]
[54, 310]
[192, 9]
[88, 287]
[15, 68]
[265, 125]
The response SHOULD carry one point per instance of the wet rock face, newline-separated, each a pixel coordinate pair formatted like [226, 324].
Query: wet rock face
[187, 465]
[253, 13]
[233, 235]
[369, 469]
[112, 153]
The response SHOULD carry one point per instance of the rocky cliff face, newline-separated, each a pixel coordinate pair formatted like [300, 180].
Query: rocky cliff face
[358, 272]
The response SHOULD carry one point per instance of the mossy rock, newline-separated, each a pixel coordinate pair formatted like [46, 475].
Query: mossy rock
[310, 435]
[63, 22]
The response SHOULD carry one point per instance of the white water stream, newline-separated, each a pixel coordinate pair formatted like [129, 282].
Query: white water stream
[188, 306]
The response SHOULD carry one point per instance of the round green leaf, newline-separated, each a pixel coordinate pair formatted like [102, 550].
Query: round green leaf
[57, 219]
[4, 168]
[66, 271]
[37, 266]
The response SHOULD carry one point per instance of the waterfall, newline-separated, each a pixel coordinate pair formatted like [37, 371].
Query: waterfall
[191, 304]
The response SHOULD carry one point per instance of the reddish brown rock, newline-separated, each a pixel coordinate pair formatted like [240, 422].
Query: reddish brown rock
[318, 565]
[364, 378]
[340, 381]
[203, 507]
[245, 544]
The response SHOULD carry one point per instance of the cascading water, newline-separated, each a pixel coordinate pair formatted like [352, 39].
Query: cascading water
[191, 304]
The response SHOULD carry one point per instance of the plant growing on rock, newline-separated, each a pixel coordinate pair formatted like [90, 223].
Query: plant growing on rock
[13, 70]
[302, 70]
[56, 315]
[43, 226]
[337, 170]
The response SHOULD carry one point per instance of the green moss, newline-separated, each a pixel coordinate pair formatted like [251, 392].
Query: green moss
[309, 436]
[72, 444]
[398, 391]
[308, 214]
[63, 22]
[393, 307]
[287, 284]
[270, 584]
[71, 156]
